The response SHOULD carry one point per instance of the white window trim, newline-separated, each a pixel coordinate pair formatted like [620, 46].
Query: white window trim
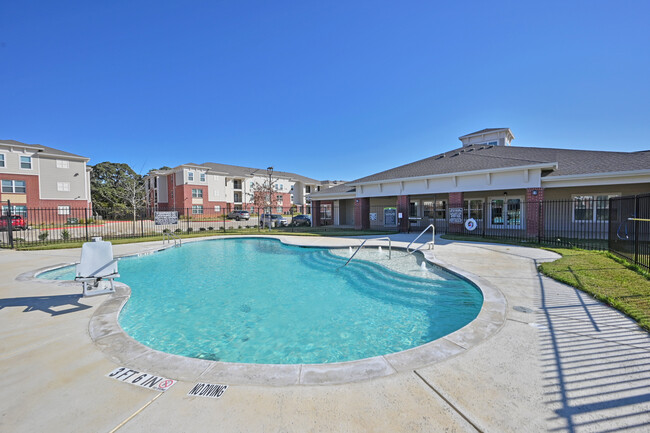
[469, 214]
[62, 163]
[20, 162]
[522, 214]
[202, 177]
[197, 207]
[594, 212]
[13, 186]
[190, 176]
[217, 208]
[61, 186]
[3, 160]
[63, 210]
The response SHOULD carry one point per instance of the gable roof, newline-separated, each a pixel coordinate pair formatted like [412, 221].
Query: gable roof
[482, 131]
[562, 162]
[236, 170]
[45, 149]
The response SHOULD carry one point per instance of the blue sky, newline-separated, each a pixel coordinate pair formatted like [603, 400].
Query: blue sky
[327, 89]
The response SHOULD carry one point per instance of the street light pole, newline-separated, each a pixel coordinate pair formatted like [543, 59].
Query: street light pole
[269, 170]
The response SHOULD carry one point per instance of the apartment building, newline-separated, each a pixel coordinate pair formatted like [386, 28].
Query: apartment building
[36, 176]
[218, 188]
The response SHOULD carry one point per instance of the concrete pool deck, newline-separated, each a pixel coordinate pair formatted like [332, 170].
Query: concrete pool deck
[560, 361]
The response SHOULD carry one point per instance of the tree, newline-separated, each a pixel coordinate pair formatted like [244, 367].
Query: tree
[261, 193]
[115, 185]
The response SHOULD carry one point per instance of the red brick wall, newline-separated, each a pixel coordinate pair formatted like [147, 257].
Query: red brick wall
[403, 208]
[455, 200]
[315, 210]
[534, 212]
[362, 214]
[33, 195]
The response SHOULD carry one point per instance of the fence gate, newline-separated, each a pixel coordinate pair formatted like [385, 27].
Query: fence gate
[629, 228]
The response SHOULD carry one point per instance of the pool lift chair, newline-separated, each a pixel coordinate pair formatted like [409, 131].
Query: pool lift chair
[97, 268]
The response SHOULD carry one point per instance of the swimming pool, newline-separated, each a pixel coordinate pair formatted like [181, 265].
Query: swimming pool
[260, 301]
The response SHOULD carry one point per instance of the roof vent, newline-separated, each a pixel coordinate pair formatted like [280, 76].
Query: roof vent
[469, 150]
[455, 154]
[440, 156]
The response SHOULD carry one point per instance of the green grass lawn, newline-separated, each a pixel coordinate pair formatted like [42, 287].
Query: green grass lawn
[602, 275]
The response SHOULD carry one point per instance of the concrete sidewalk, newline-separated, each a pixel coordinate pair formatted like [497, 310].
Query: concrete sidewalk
[561, 362]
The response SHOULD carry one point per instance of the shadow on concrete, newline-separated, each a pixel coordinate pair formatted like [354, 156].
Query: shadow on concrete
[47, 304]
[595, 362]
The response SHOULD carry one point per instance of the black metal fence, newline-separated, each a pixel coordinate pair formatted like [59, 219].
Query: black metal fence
[27, 226]
[581, 222]
[629, 229]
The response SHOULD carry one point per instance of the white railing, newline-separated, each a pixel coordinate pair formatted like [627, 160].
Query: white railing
[390, 248]
[169, 236]
[431, 244]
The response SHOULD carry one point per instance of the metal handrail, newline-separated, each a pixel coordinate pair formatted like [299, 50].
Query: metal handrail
[390, 248]
[433, 237]
[169, 236]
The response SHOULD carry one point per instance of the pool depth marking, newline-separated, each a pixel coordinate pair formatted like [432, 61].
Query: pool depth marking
[145, 380]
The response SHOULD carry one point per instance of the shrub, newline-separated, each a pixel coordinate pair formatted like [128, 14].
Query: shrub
[202, 229]
[178, 231]
[166, 231]
[43, 235]
[210, 228]
[190, 229]
[65, 235]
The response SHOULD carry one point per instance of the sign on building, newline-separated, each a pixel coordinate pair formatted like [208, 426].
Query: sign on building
[163, 218]
[390, 216]
[455, 215]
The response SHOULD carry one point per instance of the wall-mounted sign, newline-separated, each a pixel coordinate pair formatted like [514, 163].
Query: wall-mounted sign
[390, 216]
[455, 215]
[162, 218]
[470, 224]
[373, 216]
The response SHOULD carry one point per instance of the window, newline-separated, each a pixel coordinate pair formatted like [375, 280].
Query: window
[308, 189]
[64, 210]
[492, 143]
[236, 184]
[26, 162]
[281, 187]
[190, 176]
[197, 193]
[326, 211]
[413, 209]
[473, 209]
[279, 198]
[202, 177]
[440, 209]
[197, 209]
[252, 185]
[237, 197]
[590, 208]
[16, 210]
[63, 186]
[14, 186]
[217, 208]
[291, 198]
[510, 216]
[2, 160]
[62, 163]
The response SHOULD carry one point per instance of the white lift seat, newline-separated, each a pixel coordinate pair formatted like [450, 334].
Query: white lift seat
[97, 268]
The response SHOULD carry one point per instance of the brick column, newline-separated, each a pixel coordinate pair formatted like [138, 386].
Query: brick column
[534, 212]
[362, 214]
[455, 200]
[315, 213]
[403, 208]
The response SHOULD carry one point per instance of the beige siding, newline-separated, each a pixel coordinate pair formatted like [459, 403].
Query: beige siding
[50, 175]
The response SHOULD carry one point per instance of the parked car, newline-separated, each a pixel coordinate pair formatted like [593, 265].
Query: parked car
[301, 220]
[239, 215]
[17, 223]
[274, 219]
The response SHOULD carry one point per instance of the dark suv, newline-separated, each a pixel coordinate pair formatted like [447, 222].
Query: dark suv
[301, 220]
[17, 222]
[239, 215]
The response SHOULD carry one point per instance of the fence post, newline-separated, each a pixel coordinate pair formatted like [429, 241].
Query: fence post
[86, 222]
[187, 217]
[142, 225]
[539, 221]
[636, 230]
[10, 225]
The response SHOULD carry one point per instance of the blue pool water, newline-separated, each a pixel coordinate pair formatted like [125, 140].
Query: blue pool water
[259, 301]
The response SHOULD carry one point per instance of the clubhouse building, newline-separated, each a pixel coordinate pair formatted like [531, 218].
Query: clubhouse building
[499, 186]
